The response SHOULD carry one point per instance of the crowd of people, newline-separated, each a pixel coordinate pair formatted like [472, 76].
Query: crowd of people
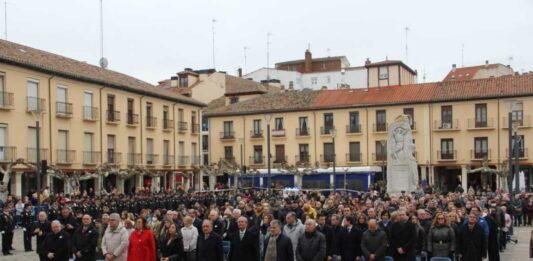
[239, 225]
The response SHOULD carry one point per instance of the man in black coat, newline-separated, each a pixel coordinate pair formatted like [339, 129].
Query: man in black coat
[336, 230]
[283, 245]
[7, 228]
[472, 245]
[244, 243]
[493, 246]
[56, 244]
[85, 240]
[196, 222]
[67, 220]
[209, 245]
[27, 224]
[40, 229]
[328, 233]
[403, 238]
[350, 241]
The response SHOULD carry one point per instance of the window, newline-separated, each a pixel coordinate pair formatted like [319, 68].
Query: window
[150, 122]
[184, 81]
[258, 154]
[132, 158]
[89, 156]
[278, 124]
[32, 142]
[233, 99]
[521, 149]
[280, 154]
[411, 113]
[194, 160]
[61, 101]
[518, 113]
[383, 73]
[150, 159]
[328, 123]
[481, 115]
[3, 141]
[257, 128]
[314, 80]
[354, 126]
[111, 116]
[446, 117]
[33, 95]
[62, 146]
[303, 152]
[355, 152]
[167, 124]
[228, 129]
[205, 142]
[381, 150]
[481, 147]
[329, 154]
[131, 118]
[381, 120]
[89, 113]
[446, 149]
[303, 129]
[181, 116]
[228, 153]
[111, 145]
[167, 159]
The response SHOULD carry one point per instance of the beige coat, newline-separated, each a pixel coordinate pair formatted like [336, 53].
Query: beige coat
[116, 242]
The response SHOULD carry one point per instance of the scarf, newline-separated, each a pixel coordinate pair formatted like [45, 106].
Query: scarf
[272, 250]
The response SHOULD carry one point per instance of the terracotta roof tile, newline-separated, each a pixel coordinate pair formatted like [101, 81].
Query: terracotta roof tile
[467, 73]
[320, 59]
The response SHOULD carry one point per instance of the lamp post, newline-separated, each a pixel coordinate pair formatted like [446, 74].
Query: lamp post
[241, 169]
[516, 141]
[36, 112]
[268, 118]
[333, 133]
[383, 148]
[512, 107]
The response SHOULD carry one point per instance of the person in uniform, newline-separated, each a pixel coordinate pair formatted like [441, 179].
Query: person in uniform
[56, 244]
[7, 227]
[27, 224]
[53, 212]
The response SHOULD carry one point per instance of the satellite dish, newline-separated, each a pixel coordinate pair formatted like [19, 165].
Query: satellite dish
[103, 62]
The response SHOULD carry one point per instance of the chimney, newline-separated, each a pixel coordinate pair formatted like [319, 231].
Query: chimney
[240, 72]
[174, 81]
[324, 87]
[291, 85]
[486, 63]
[308, 61]
[454, 67]
[368, 62]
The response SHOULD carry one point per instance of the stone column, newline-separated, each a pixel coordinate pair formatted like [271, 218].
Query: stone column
[423, 173]
[16, 183]
[97, 184]
[431, 175]
[139, 181]
[212, 181]
[120, 185]
[464, 177]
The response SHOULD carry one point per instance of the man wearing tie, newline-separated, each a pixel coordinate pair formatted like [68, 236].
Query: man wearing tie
[244, 243]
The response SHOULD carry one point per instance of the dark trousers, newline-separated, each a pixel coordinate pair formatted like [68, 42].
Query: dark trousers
[43, 257]
[517, 221]
[27, 239]
[7, 242]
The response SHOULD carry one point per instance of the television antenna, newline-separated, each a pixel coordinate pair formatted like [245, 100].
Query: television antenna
[103, 61]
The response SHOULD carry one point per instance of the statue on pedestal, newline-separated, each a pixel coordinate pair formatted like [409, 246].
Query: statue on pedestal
[402, 171]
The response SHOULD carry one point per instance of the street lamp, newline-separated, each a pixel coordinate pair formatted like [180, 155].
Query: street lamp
[37, 112]
[268, 118]
[333, 133]
[513, 107]
[516, 141]
[383, 148]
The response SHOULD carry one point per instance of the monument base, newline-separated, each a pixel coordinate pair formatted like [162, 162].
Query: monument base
[399, 179]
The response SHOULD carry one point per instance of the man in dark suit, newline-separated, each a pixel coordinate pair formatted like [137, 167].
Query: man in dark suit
[85, 240]
[67, 220]
[196, 222]
[336, 230]
[277, 247]
[209, 245]
[328, 233]
[56, 244]
[472, 244]
[403, 238]
[7, 228]
[40, 229]
[350, 243]
[244, 243]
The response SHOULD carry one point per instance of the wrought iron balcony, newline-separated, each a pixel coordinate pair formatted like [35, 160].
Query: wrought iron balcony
[182, 126]
[6, 100]
[132, 119]
[183, 161]
[90, 113]
[168, 124]
[354, 157]
[8, 153]
[134, 159]
[452, 125]
[195, 128]
[151, 122]
[449, 155]
[477, 155]
[302, 132]
[256, 134]
[227, 135]
[168, 160]
[380, 127]
[35, 104]
[114, 157]
[65, 156]
[152, 159]
[91, 157]
[31, 154]
[64, 109]
[353, 128]
[113, 116]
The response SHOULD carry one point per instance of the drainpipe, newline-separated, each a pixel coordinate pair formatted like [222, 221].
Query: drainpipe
[101, 125]
[49, 117]
[174, 144]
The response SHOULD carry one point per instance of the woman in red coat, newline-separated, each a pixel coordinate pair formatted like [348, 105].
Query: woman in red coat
[142, 242]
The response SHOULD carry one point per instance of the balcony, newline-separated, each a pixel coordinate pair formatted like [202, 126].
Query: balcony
[353, 129]
[196, 160]
[113, 117]
[90, 113]
[152, 159]
[151, 122]
[6, 101]
[35, 104]
[229, 159]
[195, 128]
[326, 159]
[31, 155]
[302, 132]
[474, 124]
[205, 146]
[379, 157]
[522, 152]
[134, 159]
[65, 156]
[479, 155]
[379, 127]
[354, 157]
[63, 109]
[183, 161]
[132, 119]
[168, 125]
[256, 161]
[168, 160]
[525, 122]
[279, 159]
[326, 130]
[114, 157]
[182, 126]
[91, 157]
[452, 125]
[302, 159]
[8, 154]
[256, 134]
[446, 155]
[278, 133]
[227, 135]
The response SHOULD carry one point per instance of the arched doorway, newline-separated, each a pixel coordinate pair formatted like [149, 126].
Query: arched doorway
[110, 182]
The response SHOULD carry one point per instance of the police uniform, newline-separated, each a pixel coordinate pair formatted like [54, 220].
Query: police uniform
[27, 221]
[7, 226]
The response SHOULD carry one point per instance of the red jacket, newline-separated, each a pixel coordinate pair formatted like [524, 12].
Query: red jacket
[142, 246]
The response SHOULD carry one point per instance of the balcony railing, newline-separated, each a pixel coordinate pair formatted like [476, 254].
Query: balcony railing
[303, 159]
[480, 154]
[326, 130]
[8, 153]
[228, 159]
[195, 128]
[379, 127]
[66, 156]
[183, 160]
[256, 134]
[280, 159]
[326, 158]
[353, 128]
[302, 132]
[227, 135]
[256, 160]
[182, 126]
[6, 100]
[168, 160]
[114, 157]
[278, 133]
[168, 124]
[35, 104]
[152, 159]
[151, 122]
[478, 124]
[447, 125]
[446, 155]
[63, 109]
[354, 157]
[525, 122]
[91, 157]
[113, 116]
[31, 155]
[196, 160]
[132, 119]
[90, 113]
[379, 157]
[134, 159]
[522, 152]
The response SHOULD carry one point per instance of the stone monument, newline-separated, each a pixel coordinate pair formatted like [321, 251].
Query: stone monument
[402, 171]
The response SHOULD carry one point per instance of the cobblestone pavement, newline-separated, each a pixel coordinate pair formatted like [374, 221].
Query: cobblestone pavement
[514, 252]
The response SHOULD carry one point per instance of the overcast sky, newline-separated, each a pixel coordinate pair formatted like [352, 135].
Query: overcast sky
[154, 39]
